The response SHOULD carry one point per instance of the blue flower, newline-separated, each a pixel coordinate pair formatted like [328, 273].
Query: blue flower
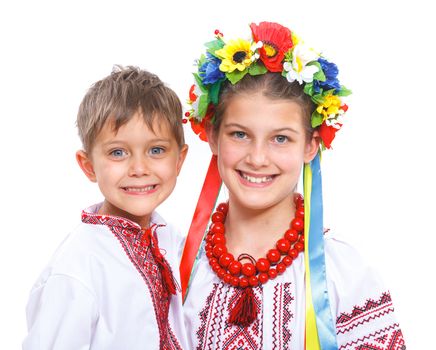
[210, 71]
[331, 72]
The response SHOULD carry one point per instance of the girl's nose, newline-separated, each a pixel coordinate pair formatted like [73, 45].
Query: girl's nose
[258, 155]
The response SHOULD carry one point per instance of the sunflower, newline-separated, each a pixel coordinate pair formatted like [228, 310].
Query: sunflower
[236, 54]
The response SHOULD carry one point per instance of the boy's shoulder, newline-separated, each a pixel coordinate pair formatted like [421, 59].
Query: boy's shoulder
[78, 248]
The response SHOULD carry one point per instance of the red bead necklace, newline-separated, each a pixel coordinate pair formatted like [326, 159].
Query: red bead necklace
[251, 274]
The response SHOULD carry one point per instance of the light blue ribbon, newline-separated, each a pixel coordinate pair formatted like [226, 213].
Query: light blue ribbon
[324, 322]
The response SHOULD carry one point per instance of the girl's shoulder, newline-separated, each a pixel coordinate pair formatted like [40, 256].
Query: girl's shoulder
[360, 302]
[347, 269]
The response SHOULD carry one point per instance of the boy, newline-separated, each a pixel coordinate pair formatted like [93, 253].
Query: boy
[109, 285]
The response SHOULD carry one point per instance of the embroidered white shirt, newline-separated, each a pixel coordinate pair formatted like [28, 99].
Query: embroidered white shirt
[92, 296]
[361, 307]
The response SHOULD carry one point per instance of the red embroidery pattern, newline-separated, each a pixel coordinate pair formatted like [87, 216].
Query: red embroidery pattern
[370, 327]
[207, 321]
[129, 235]
[389, 338]
[216, 333]
[282, 315]
[362, 312]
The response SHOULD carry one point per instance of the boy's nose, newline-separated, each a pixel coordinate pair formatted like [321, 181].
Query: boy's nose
[138, 166]
[258, 155]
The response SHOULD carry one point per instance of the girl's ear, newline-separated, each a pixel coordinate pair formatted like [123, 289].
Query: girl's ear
[85, 164]
[312, 147]
[212, 138]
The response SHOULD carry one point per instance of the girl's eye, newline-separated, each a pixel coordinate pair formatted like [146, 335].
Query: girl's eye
[156, 150]
[118, 153]
[239, 134]
[281, 139]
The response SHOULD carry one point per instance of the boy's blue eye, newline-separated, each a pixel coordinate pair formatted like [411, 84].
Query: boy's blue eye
[118, 153]
[156, 150]
[281, 139]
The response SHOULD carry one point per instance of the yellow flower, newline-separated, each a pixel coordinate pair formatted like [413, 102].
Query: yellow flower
[330, 107]
[296, 39]
[236, 54]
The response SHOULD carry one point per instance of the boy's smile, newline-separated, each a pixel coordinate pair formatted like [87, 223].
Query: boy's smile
[136, 167]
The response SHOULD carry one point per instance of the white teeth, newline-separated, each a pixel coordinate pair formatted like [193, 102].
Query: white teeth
[139, 189]
[256, 180]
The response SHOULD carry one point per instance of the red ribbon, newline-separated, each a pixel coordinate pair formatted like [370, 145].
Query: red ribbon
[203, 211]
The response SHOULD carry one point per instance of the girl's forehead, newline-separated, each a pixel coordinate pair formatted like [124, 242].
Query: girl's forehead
[253, 110]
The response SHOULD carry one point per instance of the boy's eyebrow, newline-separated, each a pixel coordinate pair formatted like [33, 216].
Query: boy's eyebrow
[236, 125]
[117, 142]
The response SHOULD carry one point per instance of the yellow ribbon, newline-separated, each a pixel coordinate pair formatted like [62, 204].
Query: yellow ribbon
[312, 341]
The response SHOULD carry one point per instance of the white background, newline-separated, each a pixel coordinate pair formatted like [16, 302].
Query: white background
[379, 185]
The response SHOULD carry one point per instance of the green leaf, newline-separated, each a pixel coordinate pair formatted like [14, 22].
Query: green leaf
[344, 91]
[257, 69]
[288, 56]
[308, 89]
[202, 60]
[214, 92]
[200, 83]
[236, 75]
[318, 99]
[317, 119]
[320, 76]
[214, 45]
[202, 105]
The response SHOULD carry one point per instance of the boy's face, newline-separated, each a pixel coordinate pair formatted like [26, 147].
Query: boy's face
[136, 168]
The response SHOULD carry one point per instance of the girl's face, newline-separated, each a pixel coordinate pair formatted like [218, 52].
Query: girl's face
[261, 146]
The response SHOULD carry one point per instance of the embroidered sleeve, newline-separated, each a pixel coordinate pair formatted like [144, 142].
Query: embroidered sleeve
[370, 326]
[362, 306]
[61, 314]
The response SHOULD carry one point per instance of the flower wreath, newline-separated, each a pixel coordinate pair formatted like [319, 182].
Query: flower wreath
[272, 48]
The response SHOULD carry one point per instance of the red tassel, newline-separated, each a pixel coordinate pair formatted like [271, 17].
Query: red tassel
[165, 271]
[168, 282]
[167, 277]
[244, 311]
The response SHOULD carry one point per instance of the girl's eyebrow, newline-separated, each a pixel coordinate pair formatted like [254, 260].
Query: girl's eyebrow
[236, 125]
[287, 129]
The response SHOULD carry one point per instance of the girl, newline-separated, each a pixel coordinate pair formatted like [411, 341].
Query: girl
[267, 275]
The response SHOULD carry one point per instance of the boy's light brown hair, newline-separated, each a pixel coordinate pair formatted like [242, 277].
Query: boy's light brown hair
[120, 95]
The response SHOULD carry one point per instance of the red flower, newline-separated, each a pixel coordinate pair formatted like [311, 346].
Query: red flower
[192, 96]
[200, 128]
[327, 134]
[277, 40]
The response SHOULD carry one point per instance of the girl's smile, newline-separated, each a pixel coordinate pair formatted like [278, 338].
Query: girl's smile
[257, 180]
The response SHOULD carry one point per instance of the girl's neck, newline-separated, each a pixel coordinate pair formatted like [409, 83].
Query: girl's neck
[254, 232]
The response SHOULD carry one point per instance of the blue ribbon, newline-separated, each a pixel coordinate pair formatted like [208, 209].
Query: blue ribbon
[321, 303]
